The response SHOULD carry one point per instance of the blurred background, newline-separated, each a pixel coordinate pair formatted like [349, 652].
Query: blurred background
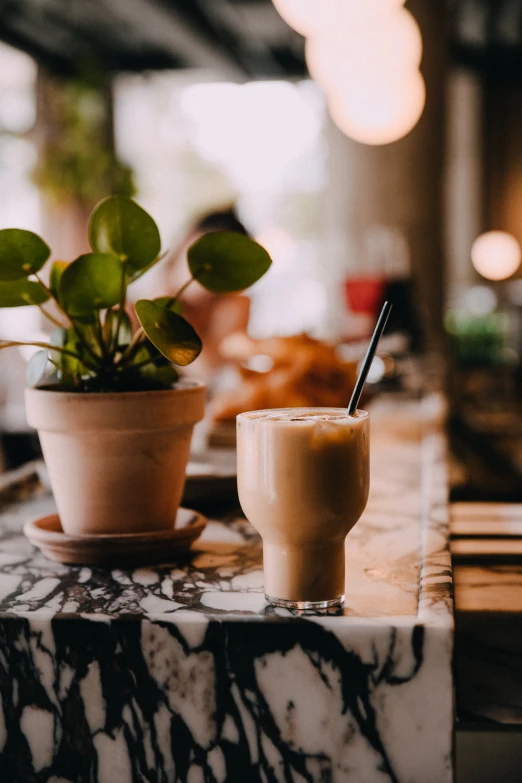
[373, 149]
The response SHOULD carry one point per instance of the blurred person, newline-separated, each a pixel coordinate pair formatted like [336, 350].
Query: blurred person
[213, 316]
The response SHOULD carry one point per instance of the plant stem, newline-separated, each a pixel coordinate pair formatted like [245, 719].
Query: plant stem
[121, 309]
[48, 347]
[85, 344]
[129, 350]
[184, 288]
[101, 341]
[76, 330]
[50, 293]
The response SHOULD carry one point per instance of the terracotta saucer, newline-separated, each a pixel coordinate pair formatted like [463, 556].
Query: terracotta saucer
[160, 546]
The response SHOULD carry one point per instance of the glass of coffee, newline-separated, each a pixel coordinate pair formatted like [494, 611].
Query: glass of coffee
[303, 480]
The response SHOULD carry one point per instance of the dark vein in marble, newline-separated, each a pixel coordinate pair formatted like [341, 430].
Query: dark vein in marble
[130, 690]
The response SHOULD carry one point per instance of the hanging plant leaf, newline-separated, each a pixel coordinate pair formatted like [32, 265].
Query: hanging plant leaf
[36, 368]
[172, 335]
[22, 253]
[225, 262]
[57, 270]
[118, 225]
[92, 282]
[21, 293]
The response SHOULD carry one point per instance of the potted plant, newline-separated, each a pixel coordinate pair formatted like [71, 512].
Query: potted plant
[114, 418]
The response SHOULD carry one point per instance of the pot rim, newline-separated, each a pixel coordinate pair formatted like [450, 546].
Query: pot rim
[179, 386]
[49, 410]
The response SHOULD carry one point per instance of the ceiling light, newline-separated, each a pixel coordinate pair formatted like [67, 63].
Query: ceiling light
[496, 255]
[379, 113]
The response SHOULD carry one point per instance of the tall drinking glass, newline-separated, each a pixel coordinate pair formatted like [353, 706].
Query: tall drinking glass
[303, 480]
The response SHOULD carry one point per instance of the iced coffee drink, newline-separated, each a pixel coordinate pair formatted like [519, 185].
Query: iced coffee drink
[303, 481]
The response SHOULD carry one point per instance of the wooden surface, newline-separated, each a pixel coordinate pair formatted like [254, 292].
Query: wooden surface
[488, 613]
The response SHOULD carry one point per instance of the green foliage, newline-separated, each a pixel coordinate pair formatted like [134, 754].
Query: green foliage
[95, 349]
[170, 302]
[91, 283]
[21, 293]
[54, 278]
[76, 162]
[22, 252]
[172, 335]
[152, 369]
[117, 328]
[118, 225]
[70, 366]
[225, 262]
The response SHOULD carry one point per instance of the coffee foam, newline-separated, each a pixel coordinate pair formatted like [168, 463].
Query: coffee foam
[295, 416]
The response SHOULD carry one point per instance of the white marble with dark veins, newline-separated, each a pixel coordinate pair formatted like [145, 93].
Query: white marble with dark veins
[182, 673]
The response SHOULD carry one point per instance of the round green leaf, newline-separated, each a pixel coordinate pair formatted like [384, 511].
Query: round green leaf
[92, 282]
[172, 335]
[21, 293]
[57, 270]
[118, 225]
[22, 253]
[36, 368]
[225, 262]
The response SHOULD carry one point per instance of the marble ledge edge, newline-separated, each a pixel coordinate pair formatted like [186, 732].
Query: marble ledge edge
[436, 580]
[189, 616]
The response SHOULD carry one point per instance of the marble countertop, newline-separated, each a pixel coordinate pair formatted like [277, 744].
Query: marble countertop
[181, 672]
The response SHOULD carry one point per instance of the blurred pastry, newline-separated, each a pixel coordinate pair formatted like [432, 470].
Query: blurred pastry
[298, 372]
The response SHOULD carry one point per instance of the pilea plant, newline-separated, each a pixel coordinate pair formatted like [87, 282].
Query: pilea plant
[92, 348]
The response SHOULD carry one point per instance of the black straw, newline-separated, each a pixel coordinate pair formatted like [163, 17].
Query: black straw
[368, 359]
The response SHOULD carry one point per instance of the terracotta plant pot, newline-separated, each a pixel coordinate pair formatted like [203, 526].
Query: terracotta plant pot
[116, 462]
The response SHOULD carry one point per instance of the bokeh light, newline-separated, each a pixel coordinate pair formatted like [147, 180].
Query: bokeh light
[366, 57]
[365, 49]
[514, 292]
[377, 370]
[303, 16]
[381, 115]
[479, 300]
[496, 255]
